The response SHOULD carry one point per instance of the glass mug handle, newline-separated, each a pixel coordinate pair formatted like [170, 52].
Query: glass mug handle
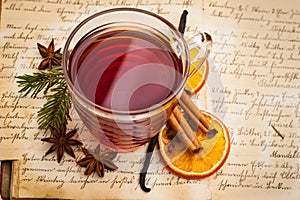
[199, 46]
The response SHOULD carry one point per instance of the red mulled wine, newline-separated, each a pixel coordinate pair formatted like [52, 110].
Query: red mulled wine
[125, 69]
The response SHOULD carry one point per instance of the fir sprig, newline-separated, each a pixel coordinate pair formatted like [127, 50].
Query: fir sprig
[39, 81]
[55, 111]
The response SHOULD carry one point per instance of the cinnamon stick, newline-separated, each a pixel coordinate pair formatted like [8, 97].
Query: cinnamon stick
[186, 127]
[193, 147]
[189, 104]
[202, 128]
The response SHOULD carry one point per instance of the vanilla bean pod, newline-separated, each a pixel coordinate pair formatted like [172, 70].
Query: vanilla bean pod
[143, 173]
[182, 23]
[153, 141]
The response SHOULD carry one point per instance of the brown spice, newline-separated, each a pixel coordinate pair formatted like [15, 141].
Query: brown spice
[182, 127]
[182, 135]
[51, 57]
[62, 141]
[97, 161]
[186, 127]
[201, 127]
[195, 114]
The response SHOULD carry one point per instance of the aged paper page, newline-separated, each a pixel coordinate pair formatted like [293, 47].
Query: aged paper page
[253, 86]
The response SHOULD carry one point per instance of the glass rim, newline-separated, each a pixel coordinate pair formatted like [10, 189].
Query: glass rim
[122, 112]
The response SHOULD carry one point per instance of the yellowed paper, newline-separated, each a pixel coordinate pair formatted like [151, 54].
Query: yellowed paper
[254, 86]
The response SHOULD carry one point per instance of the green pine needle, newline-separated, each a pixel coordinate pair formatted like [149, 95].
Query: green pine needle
[55, 111]
[40, 81]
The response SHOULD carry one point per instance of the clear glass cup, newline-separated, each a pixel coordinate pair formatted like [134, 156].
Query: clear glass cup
[152, 58]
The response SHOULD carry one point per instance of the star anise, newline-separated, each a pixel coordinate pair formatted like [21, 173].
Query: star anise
[97, 161]
[62, 141]
[50, 56]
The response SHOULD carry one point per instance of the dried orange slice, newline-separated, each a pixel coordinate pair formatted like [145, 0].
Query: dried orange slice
[198, 78]
[182, 162]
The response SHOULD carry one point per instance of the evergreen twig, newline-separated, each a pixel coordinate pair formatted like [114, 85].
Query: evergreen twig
[55, 111]
[39, 81]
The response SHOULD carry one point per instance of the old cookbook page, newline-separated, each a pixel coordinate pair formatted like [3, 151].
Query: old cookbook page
[253, 86]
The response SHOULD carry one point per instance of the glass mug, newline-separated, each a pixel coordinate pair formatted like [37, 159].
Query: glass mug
[126, 69]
